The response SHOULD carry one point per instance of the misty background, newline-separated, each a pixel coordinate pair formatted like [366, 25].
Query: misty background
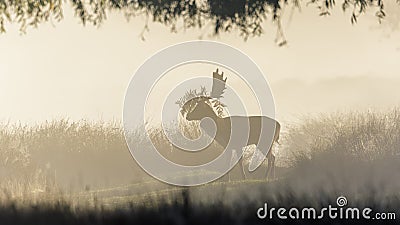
[65, 70]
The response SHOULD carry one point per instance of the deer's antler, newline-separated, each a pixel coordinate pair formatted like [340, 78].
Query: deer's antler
[219, 85]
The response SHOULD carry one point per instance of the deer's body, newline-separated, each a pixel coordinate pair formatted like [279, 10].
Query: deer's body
[226, 124]
[233, 132]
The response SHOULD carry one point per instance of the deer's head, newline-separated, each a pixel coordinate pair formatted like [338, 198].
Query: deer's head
[203, 106]
[201, 109]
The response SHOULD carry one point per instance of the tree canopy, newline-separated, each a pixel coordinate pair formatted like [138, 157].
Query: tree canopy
[246, 16]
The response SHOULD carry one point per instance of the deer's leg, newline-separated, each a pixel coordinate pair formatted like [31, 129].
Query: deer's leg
[268, 167]
[233, 158]
[271, 165]
[272, 161]
[242, 168]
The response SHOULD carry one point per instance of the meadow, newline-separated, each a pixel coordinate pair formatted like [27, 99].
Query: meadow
[64, 172]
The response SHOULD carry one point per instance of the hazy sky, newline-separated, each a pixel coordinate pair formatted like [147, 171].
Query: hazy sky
[76, 72]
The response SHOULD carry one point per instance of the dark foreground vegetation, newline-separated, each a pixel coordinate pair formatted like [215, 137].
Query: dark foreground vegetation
[355, 155]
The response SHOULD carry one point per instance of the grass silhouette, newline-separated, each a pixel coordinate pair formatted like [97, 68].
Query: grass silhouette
[65, 172]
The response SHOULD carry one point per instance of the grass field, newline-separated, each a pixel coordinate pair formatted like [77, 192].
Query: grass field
[66, 172]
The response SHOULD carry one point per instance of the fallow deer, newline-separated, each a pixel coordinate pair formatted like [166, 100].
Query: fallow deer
[260, 129]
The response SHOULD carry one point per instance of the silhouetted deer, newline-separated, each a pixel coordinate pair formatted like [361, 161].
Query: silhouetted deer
[230, 130]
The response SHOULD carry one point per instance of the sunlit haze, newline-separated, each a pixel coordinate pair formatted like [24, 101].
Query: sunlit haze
[65, 70]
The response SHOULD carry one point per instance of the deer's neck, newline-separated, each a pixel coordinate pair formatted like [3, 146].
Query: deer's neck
[221, 126]
[210, 113]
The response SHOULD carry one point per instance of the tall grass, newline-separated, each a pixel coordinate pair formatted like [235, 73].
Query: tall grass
[350, 154]
[71, 154]
[364, 135]
[354, 154]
